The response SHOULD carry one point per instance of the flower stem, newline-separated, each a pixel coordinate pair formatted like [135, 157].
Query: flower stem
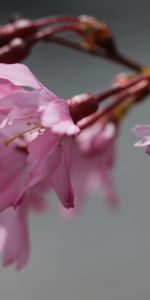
[127, 62]
[125, 91]
[46, 33]
[55, 19]
[116, 58]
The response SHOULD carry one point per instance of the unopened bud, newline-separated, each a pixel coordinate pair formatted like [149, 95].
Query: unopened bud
[82, 106]
[97, 33]
[15, 51]
[17, 29]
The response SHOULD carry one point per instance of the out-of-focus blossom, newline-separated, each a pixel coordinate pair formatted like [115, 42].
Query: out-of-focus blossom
[93, 161]
[143, 132]
[39, 121]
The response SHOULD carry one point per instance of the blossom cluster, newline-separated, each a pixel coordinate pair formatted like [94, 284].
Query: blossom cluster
[42, 149]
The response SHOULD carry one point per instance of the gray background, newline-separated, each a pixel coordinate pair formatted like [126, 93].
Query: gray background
[102, 254]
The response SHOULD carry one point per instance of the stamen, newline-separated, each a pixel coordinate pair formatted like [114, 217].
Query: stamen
[20, 135]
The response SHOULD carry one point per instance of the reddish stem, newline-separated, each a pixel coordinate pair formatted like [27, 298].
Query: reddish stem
[20, 29]
[55, 19]
[115, 90]
[19, 48]
[126, 61]
[24, 27]
[106, 111]
[97, 51]
[47, 32]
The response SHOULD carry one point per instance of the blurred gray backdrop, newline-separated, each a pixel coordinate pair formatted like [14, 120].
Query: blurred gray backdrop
[101, 254]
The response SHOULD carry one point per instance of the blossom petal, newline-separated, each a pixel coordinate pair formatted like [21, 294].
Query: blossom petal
[60, 177]
[15, 177]
[143, 142]
[21, 111]
[39, 151]
[148, 150]
[57, 117]
[14, 237]
[80, 179]
[142, 130]
[15, 245]
[108, 187]
[20, 75]
[7, 87]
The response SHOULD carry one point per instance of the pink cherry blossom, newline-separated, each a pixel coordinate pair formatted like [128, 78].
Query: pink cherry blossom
[143, 132]
[93, 161]
[39, 121]
[40, 149]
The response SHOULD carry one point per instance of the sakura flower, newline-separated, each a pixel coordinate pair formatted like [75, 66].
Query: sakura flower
[143, 132]
[93, 161]
[38, 120]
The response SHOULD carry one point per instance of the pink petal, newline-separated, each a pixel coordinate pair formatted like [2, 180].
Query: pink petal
[21, 111]
[14, 240]
[79, 178]
[60, 177]
[142, 130]
[148, 150]
[57, 116]
[50, 155]
[96, 138]
[143, 142]
[109, 188]
[15, 246]
[19, 75]
[36, 196]
[6, 88]
[39, 151]
[15, 176]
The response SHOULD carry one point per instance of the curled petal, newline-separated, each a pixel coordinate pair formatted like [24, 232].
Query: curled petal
[142, 131]
[143, 142]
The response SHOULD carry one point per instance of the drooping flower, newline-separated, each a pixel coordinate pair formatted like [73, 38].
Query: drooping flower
[92, 166]
[39, 121]
[143, 132]
[40, 149]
